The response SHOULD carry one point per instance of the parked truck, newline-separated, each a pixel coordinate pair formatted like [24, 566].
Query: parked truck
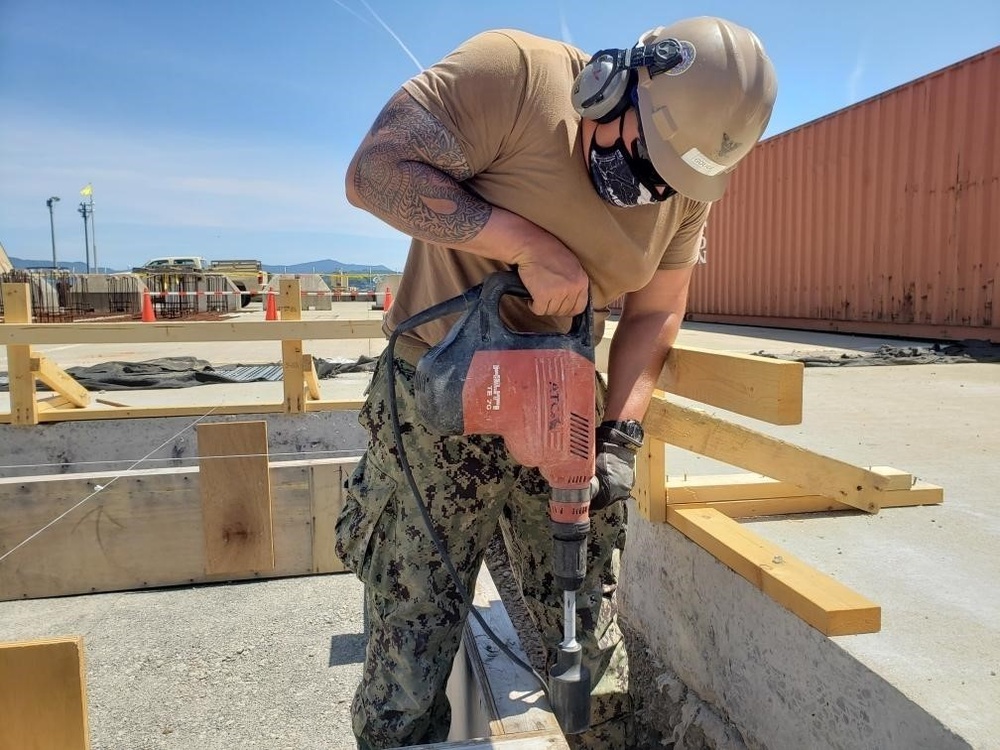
[248, 276]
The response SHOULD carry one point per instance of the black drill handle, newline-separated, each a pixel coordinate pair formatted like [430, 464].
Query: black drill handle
[502, 283]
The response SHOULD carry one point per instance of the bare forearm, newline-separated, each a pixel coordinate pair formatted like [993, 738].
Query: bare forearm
[638, 352]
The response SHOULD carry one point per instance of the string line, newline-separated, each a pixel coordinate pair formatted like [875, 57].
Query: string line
[103, 487]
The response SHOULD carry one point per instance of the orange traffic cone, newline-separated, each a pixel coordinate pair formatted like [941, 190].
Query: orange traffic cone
[388, 299]
[271, 311]
[148, 316]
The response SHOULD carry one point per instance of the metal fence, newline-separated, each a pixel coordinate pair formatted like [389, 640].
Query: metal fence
[59, 296]
[179, 295]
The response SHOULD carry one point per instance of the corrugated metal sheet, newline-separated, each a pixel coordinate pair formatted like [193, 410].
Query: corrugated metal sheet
[880, 218]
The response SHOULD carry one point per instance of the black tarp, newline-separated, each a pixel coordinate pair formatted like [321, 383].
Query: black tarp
[186, 372]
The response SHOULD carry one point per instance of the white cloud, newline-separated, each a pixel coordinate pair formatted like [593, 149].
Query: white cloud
[564, 31]
[854, 80]
[164, 179]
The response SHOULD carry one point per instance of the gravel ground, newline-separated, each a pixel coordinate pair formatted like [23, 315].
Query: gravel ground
[265, 665]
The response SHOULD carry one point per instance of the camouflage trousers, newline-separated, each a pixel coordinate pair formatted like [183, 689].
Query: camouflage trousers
[416, 613]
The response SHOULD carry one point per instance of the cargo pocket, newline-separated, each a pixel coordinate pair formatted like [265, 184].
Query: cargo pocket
[369, 491]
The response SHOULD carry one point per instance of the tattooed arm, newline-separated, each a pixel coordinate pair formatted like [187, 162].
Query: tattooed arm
[408, 172]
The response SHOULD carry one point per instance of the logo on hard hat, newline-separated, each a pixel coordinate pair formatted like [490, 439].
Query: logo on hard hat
[728, 145]
[688, 54]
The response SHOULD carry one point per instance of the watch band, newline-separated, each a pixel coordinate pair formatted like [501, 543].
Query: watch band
[628, 431]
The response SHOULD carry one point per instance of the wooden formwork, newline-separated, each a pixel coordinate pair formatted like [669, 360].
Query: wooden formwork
[786, 479]
[145, 528]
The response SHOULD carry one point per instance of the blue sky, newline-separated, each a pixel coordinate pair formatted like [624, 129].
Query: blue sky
[224, 127]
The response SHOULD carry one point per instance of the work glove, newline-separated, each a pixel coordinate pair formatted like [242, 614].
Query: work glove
[614, 469]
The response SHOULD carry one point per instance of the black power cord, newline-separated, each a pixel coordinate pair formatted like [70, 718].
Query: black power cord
[454, 305]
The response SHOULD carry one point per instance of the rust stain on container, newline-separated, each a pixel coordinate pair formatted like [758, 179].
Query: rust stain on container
[880, 218]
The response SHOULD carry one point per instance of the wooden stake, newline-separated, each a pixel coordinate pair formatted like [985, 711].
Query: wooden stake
[17, 309]
[650, 471]
[311, 378]
[43, 695]
[290, 307]
[235, 497]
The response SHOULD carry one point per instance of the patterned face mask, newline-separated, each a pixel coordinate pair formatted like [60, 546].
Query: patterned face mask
[623, 179]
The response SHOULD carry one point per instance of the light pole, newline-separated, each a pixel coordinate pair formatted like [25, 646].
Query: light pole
[85, 212]
[52, 227]
[88, 192]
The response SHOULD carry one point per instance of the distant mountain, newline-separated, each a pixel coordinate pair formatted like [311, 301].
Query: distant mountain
[327, 266]
[74, 266]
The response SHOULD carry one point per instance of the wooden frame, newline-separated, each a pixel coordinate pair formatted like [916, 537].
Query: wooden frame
[759, 387]
[792, 479]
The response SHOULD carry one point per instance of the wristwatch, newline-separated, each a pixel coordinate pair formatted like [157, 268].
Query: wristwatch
[627, 431]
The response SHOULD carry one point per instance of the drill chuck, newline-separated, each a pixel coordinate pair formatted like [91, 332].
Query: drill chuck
[569, 519]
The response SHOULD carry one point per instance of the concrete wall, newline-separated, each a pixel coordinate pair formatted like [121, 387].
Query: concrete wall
[781, 682]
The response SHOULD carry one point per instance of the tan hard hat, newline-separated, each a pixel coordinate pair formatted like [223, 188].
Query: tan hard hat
[704, 115]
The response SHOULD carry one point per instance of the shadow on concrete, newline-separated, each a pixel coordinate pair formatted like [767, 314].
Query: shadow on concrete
[347, 648]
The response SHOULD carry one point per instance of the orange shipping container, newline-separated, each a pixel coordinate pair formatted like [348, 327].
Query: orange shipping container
[881, 218]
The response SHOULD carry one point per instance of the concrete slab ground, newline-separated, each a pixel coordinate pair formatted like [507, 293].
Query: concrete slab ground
[928, 679]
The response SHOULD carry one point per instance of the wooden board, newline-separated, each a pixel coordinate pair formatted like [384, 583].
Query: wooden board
[145, 412]
[753, 496]
[707, 435]
[650, 493]
[235, 497]
[511, 697]
[59, 380]
[17, 309]
[826, 604]
[164, 332]
[312, 379]
[43, 695]
[142, 530]
[758, 387]
[293, 379]
[920, 494]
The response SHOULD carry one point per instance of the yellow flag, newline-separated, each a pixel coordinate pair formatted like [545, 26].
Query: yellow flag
[88, 190]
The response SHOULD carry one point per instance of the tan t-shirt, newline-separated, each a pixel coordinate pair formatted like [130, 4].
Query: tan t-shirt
[505, 95]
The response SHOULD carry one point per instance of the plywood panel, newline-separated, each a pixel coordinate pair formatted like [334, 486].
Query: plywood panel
[141, 530]
[43, 695]
[235, 497]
